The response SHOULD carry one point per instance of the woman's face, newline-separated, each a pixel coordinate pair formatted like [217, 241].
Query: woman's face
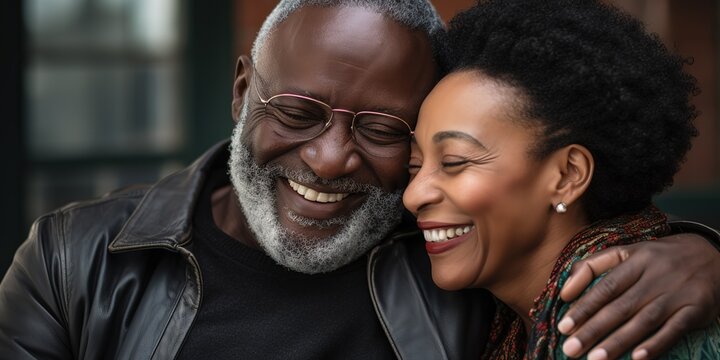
[479, 196]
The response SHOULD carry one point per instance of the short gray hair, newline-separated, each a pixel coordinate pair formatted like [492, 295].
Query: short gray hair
[414, 14]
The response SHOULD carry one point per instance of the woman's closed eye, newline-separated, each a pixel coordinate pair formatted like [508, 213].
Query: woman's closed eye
[455, 163]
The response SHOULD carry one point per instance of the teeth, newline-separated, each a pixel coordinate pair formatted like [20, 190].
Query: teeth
[316, 196]
[311, 195]
[440, 235]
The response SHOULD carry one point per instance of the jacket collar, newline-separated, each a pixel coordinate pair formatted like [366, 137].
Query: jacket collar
[164, 216]
[445, 324]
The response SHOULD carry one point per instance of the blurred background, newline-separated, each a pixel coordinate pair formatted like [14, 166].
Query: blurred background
[100, 94]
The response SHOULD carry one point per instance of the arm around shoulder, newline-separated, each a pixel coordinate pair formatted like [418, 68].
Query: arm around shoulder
[684, 226]
[684, 263]
[32, 297]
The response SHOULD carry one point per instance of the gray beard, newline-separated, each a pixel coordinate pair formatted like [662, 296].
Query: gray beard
[360, 231]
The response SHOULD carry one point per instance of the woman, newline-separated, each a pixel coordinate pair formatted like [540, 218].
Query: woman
[558, 123]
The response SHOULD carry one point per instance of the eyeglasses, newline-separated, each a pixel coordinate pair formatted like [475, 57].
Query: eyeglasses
[301, 118]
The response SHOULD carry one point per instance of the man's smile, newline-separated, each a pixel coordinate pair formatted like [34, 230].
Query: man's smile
[316, 195]
[316, 201]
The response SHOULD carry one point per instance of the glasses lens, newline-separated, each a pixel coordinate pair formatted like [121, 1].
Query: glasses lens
[381, 135]
[297, 118]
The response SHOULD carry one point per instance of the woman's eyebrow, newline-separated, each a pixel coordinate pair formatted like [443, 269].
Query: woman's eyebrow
[457, 135]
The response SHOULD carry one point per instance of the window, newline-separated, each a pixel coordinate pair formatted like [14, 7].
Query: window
[104, 88]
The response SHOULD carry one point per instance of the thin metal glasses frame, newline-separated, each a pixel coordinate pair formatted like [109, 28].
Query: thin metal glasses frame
[332, 111]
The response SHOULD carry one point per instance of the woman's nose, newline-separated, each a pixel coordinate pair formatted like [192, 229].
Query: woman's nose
[421, 192]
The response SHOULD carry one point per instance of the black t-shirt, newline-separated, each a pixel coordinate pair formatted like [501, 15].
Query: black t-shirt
[252, 308]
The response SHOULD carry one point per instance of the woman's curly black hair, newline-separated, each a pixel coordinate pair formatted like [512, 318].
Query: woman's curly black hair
[593, 76]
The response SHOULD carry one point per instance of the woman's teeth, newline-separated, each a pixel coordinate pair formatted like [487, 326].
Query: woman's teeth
[439, 235]
[314, 195]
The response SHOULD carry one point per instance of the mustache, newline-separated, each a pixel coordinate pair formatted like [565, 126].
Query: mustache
[343, 184]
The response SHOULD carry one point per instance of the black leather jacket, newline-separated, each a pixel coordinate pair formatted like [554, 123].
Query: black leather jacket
[112, 278]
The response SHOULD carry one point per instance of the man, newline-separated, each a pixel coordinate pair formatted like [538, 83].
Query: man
[301, 252]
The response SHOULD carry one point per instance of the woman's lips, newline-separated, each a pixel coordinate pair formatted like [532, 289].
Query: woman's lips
[441, 237]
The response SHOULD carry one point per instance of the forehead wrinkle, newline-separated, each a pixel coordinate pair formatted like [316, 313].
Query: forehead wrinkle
[340, 34]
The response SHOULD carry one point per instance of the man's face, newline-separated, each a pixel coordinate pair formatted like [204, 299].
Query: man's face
[353, 59]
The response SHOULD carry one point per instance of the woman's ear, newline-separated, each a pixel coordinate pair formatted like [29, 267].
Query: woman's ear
[575, 167]
[243, 75]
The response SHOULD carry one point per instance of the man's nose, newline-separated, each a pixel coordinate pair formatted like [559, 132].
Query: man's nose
[333, 154]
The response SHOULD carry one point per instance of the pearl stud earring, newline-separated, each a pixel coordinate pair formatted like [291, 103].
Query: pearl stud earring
[561, 207]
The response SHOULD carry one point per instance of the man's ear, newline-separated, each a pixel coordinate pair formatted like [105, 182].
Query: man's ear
[575, 166]
[243, 75]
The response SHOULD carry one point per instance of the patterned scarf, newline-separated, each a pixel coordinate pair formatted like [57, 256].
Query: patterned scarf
[508, 339]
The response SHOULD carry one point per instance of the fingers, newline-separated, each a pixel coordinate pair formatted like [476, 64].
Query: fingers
[655, 291]
[625, 337]
[605, 291]
[621, 341]
[611, 317]
[675, 328]
[585, 271]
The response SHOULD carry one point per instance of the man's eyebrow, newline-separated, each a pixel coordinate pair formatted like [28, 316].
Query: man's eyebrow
[457, 135]
[390, 110]
[290, 89]
[298, 91]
